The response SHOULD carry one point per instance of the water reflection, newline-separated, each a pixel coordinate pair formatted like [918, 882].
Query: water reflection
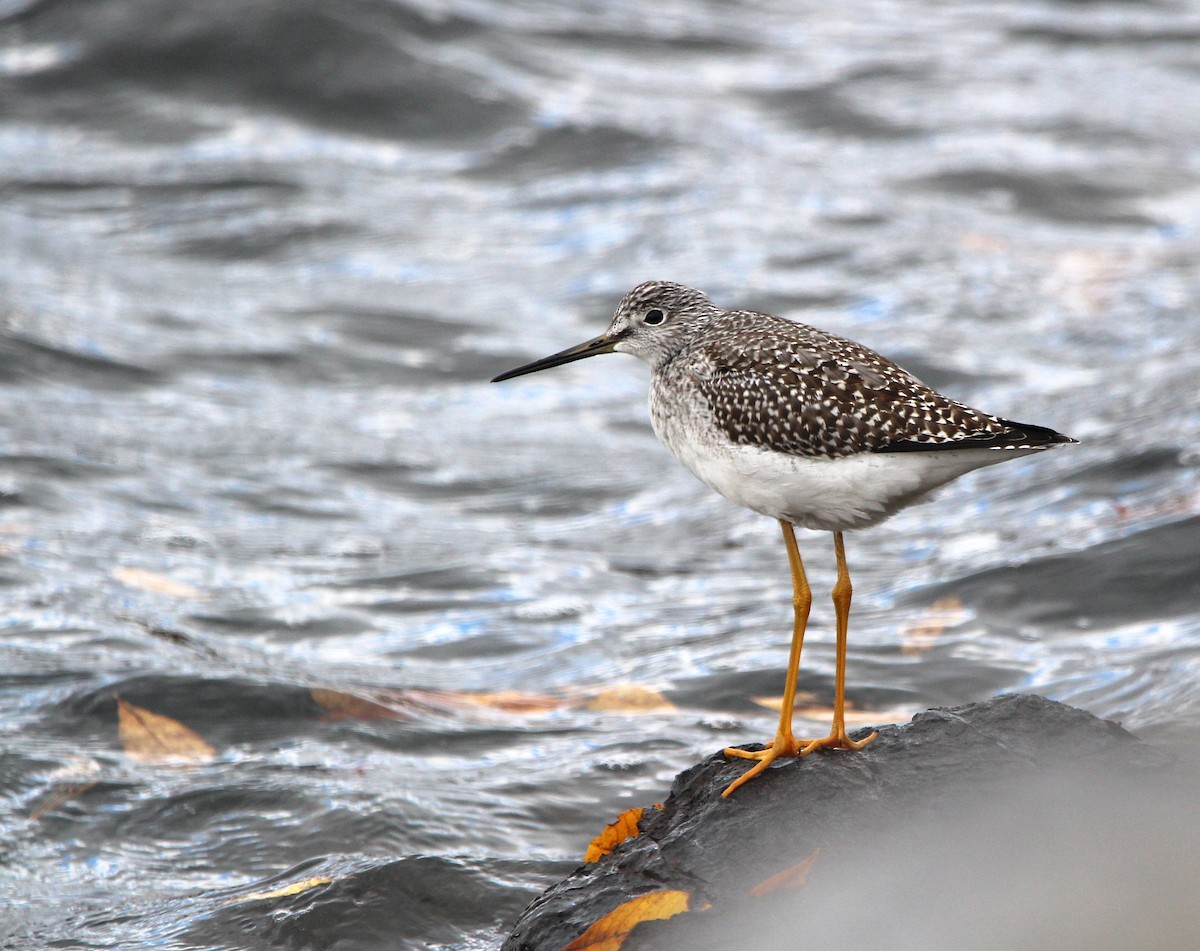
[258, 261]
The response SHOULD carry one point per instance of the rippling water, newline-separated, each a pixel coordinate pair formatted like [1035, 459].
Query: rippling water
[257, 260]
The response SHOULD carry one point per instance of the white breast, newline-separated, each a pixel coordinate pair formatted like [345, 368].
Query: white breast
[813, 492]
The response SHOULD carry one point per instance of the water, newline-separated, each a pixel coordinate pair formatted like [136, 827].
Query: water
[258, 259]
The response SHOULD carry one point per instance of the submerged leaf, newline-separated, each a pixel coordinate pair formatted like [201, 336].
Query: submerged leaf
[775, 702]
[853, 717]
[630, 698]
[609, 932]
[857, 717]
[153, 738]
[396, 704]
[64, 792]
[792, 877]
[153, 581]
[925, 630]
[348, 706]
[513, 701]
[295, 888]
[453, 701]
[73, 778]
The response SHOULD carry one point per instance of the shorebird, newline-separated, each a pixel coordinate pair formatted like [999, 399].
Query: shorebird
[804, 426]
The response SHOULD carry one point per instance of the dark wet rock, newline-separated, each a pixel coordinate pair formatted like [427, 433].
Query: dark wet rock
[950, 800]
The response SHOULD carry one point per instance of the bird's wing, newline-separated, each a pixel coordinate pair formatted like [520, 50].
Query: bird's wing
[802, 391]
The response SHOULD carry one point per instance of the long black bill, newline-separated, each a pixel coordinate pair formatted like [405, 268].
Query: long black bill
[601, 344]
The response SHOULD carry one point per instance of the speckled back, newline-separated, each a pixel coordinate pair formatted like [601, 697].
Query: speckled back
[792, 388]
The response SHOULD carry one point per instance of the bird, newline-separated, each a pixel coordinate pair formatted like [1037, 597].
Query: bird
[804, 426]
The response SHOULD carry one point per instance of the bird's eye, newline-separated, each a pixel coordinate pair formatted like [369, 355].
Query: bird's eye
[654, 316]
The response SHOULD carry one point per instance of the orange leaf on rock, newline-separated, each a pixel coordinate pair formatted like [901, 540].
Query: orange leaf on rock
[792, 877]
[153, 738]
[609, 932]
[630, 698]
[625, 826]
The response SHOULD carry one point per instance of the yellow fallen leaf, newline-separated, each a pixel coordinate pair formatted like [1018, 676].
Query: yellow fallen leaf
[152, 738]
[348, 706]
[630, 698]
[625, 826]
[282, 892]
[609, 932]
[153, 581]
[922, 633]
[792, 877]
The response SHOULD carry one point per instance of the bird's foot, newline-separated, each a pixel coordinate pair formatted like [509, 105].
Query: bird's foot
[837, 740]
[787, 745]
[783, 745]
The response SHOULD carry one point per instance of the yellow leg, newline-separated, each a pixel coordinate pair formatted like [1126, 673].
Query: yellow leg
[784, 743]
[842, 591]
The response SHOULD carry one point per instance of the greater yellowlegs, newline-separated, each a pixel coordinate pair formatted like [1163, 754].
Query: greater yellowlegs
[807, 427]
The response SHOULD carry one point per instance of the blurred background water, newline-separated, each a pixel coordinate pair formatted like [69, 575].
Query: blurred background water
[258, 260]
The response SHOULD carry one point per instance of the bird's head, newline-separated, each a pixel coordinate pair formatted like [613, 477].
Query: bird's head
[652, 322]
